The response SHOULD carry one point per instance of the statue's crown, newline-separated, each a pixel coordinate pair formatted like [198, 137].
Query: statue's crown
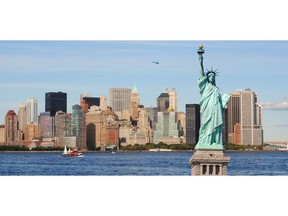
[212, 71]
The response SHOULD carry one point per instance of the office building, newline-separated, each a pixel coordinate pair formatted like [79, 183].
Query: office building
[31, 131]
[163, 101]
[32, 110]
[167, 130]
[134, 103]
[63, 126]
[79, 126]
[11, 129]
[173, 99]
[245, 118]
[94, 118]
[91, 101]
[152, 115]
[46, 125]
[234, 112]
[181, 121]
[2, 134]
[192, 123]
[55, 101]
[103, 103]
[22, 116]
[119, 98]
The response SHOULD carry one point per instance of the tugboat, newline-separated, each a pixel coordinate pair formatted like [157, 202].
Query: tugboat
[71, 153]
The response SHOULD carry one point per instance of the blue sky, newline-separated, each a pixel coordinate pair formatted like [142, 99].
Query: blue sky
[31, 68]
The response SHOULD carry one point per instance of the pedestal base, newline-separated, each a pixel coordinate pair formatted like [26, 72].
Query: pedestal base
[209, 162]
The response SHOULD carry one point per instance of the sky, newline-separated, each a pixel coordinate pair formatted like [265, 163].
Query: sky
[32, 68]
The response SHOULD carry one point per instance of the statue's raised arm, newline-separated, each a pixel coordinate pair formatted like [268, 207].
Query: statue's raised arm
[200, 55]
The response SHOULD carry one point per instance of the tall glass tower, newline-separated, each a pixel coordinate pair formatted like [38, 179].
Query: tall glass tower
[32, 110]
[79, 126]
[192, 123]
[55, 101]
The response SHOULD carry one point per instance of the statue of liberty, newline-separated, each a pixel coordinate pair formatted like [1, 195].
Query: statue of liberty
[211, 109]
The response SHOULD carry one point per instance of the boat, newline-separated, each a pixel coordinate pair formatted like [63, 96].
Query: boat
[71, 153]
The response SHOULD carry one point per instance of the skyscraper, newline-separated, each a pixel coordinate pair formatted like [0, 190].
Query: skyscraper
[103, 103]
[22, 116]
[2, 134]
[119, 98]
[251, 133]
[192, 123]
[234, 110]
[32, 110]
[163, 101]
[31, 131]
[63, 126]
[152, 115]
[173, 99]
[46, 125]
[91, 101]
[11, 129]
[134, 103]
[79, 126]
[167, 130]
[244, 117]
[55, 101]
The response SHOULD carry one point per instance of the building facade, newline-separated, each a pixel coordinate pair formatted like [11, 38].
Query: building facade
[245, 118]
[166, 128]
[2, 134]
[55, 101]
[46, 125]
[163, 101]
[192, 123]
[32, 110]
[22, 116]
[11, 128]
[103, 103]
[79, 126]
[63, 126]
[234, 112]
[152, 115]
[173, 99]
[134, 103]
[119, 98]
[31, 131]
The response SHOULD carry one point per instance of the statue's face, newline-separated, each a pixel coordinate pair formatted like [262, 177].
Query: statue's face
[211, 78]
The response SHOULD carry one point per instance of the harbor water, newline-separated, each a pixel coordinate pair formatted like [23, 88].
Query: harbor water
[135, 164]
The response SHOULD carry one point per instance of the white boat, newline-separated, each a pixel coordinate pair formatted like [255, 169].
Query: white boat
[73, 153]
[65, 150]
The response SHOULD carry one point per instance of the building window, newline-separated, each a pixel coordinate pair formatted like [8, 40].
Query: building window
[217, 169]
[204, 169]
[210, 169]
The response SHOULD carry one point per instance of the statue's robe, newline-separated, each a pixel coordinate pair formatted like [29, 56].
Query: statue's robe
[210, 134]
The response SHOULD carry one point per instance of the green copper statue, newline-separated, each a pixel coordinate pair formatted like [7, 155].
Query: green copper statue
[212, 104]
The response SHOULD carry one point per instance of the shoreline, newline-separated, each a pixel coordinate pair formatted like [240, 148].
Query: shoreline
[88, 151]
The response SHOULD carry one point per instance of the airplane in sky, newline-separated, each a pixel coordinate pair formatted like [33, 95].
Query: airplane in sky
[155, 62]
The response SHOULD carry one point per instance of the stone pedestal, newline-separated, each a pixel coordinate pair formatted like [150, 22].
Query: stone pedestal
[209, 163]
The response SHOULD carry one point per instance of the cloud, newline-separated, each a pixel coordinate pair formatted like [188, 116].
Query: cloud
[275, 105]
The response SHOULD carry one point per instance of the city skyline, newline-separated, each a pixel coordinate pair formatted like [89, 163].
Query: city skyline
[32, 68]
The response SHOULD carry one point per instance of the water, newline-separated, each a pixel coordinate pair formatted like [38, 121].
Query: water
[135, 164]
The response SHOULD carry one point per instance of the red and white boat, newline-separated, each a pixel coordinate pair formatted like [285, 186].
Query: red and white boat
[71, 153]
